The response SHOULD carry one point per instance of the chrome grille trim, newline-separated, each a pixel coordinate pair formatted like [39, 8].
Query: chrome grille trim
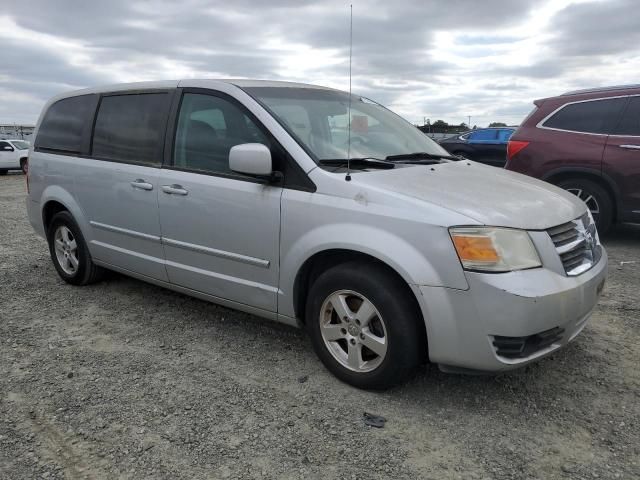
[577, 244]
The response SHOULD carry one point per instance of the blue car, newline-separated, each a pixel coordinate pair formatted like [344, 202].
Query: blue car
[485, 145]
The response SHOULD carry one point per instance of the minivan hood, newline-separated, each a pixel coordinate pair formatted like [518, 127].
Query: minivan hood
[486, 194]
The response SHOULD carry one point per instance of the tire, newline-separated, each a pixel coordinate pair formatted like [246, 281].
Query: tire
[3, 172]
[64, 228]
[394, 321]
[24, 165]
[597, 199]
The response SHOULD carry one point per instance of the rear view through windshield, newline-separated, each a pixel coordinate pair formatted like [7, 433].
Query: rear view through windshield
[318, 119]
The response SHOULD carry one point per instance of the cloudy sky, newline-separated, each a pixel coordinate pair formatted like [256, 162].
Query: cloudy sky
[434, 59]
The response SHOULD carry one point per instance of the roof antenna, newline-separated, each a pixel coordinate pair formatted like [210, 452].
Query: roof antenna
[348, 177]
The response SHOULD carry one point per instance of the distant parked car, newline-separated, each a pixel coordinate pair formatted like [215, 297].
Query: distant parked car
[485, 145]
[13, 155]
[587, 142]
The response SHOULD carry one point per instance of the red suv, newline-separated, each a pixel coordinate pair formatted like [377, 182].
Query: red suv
[587, 142]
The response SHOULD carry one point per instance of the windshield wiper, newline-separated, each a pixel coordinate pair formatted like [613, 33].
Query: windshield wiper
[367, 162]
[420, 156]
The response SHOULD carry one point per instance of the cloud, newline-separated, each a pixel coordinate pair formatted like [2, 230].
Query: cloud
[420, 58]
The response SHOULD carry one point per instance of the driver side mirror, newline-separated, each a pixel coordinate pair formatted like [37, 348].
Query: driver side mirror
[7, 148]
[251, 159]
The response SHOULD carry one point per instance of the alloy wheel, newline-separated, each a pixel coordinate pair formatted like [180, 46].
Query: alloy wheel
[587, 198]
[66, 249]
[353, 331]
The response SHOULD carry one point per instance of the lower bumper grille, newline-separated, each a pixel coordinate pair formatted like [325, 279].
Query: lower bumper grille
[521, 347]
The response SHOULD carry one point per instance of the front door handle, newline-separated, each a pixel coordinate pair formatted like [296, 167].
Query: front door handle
[631, 147]
[141, 184]
[174, 189]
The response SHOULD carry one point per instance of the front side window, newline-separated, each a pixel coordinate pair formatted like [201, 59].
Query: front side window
[208, 126]
[630, 123]
[130, 128]
[318, 119]
[596, 116]
[64, 124]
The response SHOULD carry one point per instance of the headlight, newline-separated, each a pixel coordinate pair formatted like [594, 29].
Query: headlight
[493, 249]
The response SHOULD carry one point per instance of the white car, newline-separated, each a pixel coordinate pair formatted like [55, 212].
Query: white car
[13, 155]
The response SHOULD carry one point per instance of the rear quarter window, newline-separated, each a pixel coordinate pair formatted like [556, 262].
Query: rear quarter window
[66, 123]
[592, 116]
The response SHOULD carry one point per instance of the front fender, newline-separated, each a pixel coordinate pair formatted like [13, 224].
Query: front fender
[441, 268]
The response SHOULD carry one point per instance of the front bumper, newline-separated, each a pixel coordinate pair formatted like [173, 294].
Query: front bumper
[462, 324]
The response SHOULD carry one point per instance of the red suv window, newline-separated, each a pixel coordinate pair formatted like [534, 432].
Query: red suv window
[592, 116]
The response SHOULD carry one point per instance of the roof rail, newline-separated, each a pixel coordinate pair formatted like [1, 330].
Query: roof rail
[602, 89]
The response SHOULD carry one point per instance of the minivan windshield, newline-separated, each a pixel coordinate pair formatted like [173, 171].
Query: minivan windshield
[318, 119]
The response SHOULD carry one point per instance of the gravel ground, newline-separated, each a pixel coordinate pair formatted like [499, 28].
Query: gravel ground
[128, 380]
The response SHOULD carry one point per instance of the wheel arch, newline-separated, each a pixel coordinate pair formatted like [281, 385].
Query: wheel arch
[323, 260]
[56, 199]
[561, 174]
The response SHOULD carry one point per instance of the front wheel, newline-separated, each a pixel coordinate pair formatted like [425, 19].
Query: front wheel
[24, 165]
[365, 326]
[596, 198]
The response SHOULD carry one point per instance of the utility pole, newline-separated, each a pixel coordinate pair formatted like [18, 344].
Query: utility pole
[469, 124]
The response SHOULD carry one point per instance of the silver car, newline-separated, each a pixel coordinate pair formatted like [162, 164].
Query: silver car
[308, 206]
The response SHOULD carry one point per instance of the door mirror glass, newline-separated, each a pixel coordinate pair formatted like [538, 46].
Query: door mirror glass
[251, 159]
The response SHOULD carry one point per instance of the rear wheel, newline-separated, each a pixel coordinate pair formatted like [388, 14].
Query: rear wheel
[69, 251]
[364, 326]
[595, 197]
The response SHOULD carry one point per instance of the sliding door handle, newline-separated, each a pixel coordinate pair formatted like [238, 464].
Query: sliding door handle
[174, 189]
[141, 184]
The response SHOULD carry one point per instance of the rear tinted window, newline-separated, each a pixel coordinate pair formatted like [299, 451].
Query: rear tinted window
[130, 128]
[630, 122]
[64, 124]
[597, 116]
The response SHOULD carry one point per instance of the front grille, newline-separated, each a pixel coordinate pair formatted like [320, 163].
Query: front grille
[577, 244]
[522, 347]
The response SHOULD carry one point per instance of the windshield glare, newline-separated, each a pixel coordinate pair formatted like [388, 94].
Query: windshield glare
[20, 144]
[318, 119]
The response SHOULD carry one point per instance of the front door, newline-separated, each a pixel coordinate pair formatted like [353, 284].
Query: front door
[621, 161]
[8, 156]
[220, 229]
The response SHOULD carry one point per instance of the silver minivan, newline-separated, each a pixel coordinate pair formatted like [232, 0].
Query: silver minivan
[315, 208]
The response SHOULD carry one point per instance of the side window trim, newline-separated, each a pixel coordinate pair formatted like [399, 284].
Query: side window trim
[170, 138]
[541, 123]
